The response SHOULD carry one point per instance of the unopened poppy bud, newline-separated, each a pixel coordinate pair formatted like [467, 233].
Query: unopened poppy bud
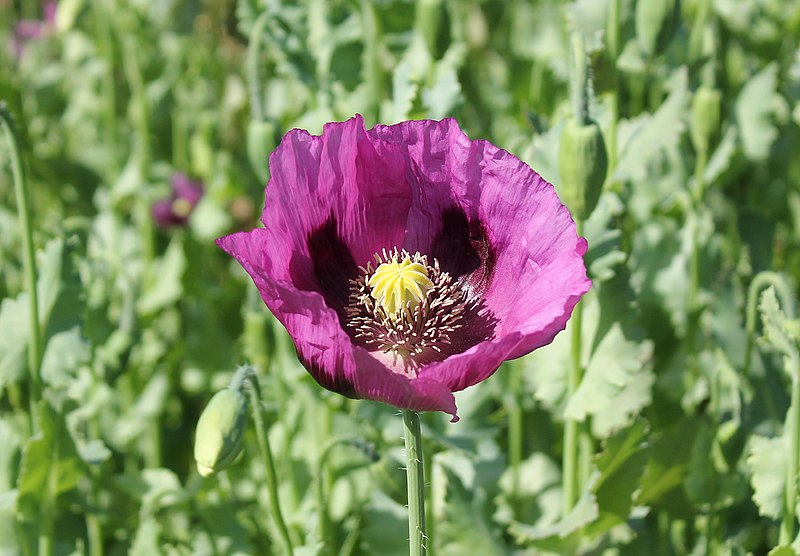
[219, 431]
[705, 117]
[260, 142]
[656, 21]
[582, 164]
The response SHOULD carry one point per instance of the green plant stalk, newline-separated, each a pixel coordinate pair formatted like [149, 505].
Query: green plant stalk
[515, 443]
[613, 45]
[698, 196]
[373, 73]
[269, 464]
[325, 529]
[22, 194]
[416, 484]
[94, 533]
[787, 531]
[105, 40]
[254, 81]
[579, 80]
[571, 469]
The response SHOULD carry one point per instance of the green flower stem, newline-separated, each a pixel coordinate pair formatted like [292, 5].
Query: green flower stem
[787, 531]
[571, 469]
[95, 533]
[106, 42]
[579, 80]
[254, 81]
[515, 442]
[416, 484]
[325, 529]
[373, 73]
[269, 465]
[613, 45]
[322, 481]
[22, 193]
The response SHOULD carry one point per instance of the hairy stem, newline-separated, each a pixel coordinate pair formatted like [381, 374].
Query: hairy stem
[416, 484]
[269, 464]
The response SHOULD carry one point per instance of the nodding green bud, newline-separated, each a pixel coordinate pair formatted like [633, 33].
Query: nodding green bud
[260, 142]
[656, 21]
[582, 164]
[705, 117]
[219, 431]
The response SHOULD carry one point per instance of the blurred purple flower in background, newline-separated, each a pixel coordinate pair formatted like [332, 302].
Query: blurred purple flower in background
[176, 209]
[408, 262]
[27, 30]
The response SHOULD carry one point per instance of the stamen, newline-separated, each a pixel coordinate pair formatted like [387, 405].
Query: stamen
[413, 311]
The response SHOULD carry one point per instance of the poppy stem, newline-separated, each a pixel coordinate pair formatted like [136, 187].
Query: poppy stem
[269, 464]
[571, 468]
[416, 484]
[22, 193]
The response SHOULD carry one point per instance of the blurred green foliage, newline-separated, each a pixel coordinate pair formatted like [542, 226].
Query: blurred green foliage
[684, 404]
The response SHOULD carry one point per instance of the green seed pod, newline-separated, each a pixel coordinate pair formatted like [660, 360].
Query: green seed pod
[705, 118]
[656, 21]
[220, 429]
[260, 142]
[582, 164]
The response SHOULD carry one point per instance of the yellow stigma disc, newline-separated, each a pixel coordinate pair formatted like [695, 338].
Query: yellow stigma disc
[396, 285]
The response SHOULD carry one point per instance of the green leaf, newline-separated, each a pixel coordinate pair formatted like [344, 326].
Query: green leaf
[617, 380]
[463, 514]
[406, 79]
[756, 108]
[538, 490]
[383, 516]
[50, 464]
[768, 464]
[776, 332]
[9, 541]
[443, 95]
[14, 332]
[668, 465]
[621, 465]
[564, 536]
[148, 406]
[65, 352]
[782, 550]
[163, 285]
[645, 137]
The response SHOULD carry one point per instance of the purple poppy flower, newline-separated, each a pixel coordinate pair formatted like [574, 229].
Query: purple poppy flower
[175, 210]
[33, 29]
[408, 262]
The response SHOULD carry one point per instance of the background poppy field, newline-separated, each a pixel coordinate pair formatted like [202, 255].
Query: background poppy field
[690, 339]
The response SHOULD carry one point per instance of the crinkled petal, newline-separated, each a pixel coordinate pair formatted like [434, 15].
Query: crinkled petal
[507, 225]
[494, 224]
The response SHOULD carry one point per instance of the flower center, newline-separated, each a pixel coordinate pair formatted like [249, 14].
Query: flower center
[181, 207]
[399, 285]
[410, 312]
